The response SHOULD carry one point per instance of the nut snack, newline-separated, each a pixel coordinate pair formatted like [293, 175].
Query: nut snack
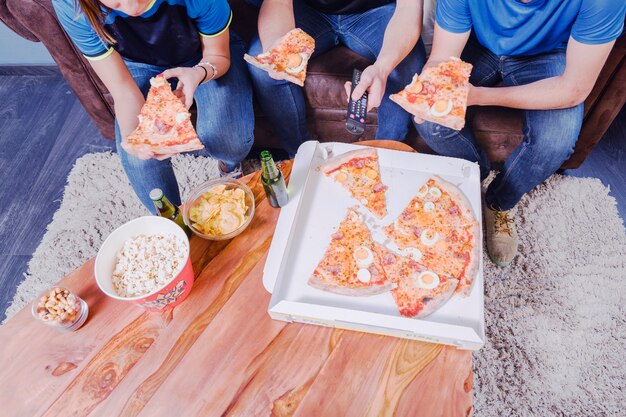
[60, 308]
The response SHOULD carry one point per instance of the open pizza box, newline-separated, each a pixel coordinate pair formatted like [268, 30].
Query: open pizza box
[317, 205]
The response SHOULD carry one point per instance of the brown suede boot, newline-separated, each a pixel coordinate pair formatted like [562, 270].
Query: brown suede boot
[501, 236]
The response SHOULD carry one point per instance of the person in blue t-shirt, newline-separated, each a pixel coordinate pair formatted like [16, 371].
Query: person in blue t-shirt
[547, 55]
[385, 32]
[129, 41]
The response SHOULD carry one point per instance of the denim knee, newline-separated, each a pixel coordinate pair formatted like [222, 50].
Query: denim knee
[430, 131]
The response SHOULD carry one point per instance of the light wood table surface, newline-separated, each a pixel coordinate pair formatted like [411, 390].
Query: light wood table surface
[220, 354]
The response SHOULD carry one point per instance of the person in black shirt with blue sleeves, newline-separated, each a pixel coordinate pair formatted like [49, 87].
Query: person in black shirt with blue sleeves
[127, 42]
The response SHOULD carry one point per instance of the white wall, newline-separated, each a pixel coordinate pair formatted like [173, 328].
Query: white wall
[16, 50]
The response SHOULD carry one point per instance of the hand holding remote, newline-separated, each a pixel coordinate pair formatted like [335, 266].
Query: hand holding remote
[357, 109]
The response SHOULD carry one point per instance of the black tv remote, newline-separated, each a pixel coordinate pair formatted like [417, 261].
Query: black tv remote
[355, 120]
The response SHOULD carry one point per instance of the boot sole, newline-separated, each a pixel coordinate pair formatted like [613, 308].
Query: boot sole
[502, 264]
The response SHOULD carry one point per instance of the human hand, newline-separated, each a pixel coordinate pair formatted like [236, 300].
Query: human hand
[373, 80]
[143, 153]
[188, 81]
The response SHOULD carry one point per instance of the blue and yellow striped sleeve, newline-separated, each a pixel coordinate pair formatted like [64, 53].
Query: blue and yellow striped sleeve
[80, 31]
[212, 17]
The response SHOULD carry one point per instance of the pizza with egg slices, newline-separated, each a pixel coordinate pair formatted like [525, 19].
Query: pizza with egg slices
[438, 230]
[351, 264]
[438, 94]
[164, 124]
[289, 58]
[419, 292]
[359, 173]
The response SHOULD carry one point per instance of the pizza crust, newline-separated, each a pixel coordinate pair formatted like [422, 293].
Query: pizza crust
[458, 196]
[422, 111]
[270, 69]
[467, 280]
[436, 303]
[336, 162]
[316, 282]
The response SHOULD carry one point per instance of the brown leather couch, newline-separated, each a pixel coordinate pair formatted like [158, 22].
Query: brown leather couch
[498, 129]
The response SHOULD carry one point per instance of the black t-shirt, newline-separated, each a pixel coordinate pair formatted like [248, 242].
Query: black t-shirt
[345, 6]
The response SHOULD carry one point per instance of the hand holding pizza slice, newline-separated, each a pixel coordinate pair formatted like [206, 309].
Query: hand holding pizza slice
[439, 94]
[164, 126]
[288, 59]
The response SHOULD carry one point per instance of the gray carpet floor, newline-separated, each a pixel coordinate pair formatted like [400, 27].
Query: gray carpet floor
[556, 323]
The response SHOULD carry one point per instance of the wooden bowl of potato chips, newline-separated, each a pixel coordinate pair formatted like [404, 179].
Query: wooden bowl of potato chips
[219, 209]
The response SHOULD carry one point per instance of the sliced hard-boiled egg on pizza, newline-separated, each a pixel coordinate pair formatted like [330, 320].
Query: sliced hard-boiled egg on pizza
[181, 117]
[434, 192]
[412, 253]
[364, 275]
[429, 237]
[363, 256]
[371, 174]
[296, 62]
[429, 206]
[441, 108]
[417, 86]
[428, 280]
[421, 193]
[342, 176]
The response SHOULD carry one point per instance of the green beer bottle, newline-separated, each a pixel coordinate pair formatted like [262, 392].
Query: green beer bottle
[273, 181]
[168, 210]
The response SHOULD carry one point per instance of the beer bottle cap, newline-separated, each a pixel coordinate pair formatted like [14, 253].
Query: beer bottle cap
[156, 194]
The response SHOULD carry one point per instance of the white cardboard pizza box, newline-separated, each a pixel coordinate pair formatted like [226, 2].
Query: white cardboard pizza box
[317, 205]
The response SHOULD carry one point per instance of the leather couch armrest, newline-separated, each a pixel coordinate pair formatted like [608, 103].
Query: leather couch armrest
[39, 18]
[12, 23]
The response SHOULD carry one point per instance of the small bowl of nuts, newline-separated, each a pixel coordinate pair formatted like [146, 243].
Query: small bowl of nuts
[60, 309]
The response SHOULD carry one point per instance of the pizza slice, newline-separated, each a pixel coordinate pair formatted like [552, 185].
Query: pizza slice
[419, 292]
[351, 264]
[164, 124]
[288, 59]
[439, 94]
[437, 203]
[359, 173]
[447, 251]
[438, 229]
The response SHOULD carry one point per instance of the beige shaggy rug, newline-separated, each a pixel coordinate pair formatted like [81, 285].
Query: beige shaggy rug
[556, 319]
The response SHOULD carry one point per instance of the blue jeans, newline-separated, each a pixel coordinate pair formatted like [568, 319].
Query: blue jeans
[283, 102]
[225, 125]
[549, 135]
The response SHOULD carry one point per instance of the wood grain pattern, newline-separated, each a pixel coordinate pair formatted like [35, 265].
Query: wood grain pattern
[220, 354]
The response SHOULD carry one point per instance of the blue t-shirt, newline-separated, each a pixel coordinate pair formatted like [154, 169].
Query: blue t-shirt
[512, 27]
[166, 34]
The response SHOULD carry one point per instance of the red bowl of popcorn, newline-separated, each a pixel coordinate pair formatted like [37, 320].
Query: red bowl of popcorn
[146, 261]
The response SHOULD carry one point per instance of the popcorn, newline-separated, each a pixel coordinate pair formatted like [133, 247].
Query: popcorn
[146, 263]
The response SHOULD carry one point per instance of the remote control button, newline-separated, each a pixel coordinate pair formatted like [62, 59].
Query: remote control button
[362, 120]
[352, 116]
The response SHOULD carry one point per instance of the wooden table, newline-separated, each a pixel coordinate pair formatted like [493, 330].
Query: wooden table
[220, 354]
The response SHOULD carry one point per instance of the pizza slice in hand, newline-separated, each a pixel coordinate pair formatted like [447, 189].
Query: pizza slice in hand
[351, 264]
[288, 59]
[439, 94]
[359, 173]
[419, 292]
[164, 125]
